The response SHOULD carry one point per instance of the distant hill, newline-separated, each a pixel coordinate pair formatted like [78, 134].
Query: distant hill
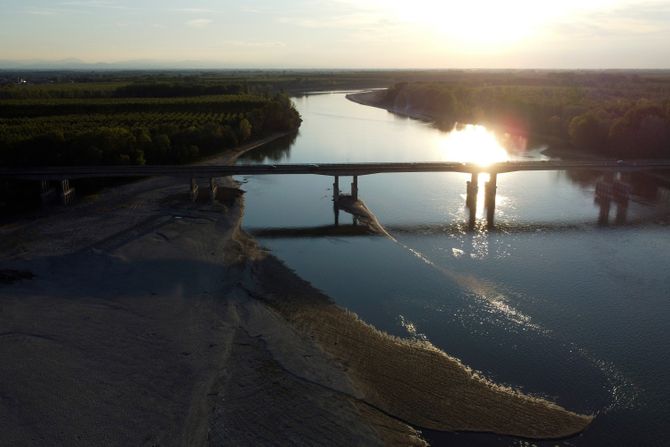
[78, 64]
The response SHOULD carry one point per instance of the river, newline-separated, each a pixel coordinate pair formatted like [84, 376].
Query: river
[551, 301]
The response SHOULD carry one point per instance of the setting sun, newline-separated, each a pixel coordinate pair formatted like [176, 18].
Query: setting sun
[473, 144]
[487, 25]
[473, 24]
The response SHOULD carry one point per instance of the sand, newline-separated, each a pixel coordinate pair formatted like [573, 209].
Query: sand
[153, 320]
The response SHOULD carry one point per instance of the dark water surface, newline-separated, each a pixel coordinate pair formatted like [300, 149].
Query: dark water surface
[549, 302]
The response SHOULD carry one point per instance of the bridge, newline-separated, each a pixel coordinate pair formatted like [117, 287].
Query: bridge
[611, 191]
[329, 169]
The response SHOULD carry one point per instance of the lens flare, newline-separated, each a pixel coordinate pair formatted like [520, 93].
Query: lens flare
[472, 144]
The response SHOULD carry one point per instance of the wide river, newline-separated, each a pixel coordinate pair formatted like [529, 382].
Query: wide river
[551, 301]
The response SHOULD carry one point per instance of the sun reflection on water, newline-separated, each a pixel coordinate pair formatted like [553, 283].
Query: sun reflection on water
[472, 143]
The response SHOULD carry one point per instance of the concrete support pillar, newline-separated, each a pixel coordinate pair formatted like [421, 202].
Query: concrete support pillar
[336, 197]
[213, 187]
[336, 188]
[472, 189]
[604, 214]
[490, 198]
[67, 193]
[47, 192]
[612, 189]
[621, 213]
[354, 188]
[621, 192]
[194, 189]
[603, 198]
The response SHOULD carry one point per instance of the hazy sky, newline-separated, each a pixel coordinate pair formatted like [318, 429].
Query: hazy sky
[343, 33]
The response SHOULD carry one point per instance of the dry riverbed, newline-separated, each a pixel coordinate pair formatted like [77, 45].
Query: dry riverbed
[153, 320]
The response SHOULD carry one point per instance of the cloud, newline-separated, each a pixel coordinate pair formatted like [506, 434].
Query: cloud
[342, 21]
[255, 44]
[199, 23]
[197, 10]
[96, 4]
[40, 12]
[624, 21]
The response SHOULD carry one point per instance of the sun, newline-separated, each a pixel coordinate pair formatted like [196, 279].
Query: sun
[488, 25]
[472, 144]
[477, 24]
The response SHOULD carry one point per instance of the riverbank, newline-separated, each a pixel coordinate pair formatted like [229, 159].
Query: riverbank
[153, 320]
[374, 98]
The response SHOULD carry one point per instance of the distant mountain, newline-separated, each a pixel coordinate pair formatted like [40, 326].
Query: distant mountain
[78, 64]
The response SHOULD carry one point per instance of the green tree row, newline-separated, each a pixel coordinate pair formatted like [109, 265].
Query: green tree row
[14, 129]
[204, 104]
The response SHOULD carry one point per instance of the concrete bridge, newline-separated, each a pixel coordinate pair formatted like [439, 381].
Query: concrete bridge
[63, 175]
[329, 169]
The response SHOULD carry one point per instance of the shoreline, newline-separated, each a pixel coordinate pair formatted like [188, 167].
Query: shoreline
[144, 293]
[371, 99]
[231, 156]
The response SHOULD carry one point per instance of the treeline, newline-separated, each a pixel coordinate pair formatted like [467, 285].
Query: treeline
[177, 89]
[30, 108]
[157, 86]
[622, 117]
[136, 131]
[161, 84]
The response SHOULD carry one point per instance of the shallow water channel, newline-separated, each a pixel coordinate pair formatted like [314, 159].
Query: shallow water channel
[552, 301]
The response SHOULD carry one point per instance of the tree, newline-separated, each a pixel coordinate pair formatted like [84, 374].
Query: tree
[245, 129]
[588, 133]
[644, 131]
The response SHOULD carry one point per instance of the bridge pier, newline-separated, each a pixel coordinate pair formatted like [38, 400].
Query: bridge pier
[336, 188]
[194, 189]
[213, 187]
[612, 189]
[621, 212]
[47, 193]
[472, 189]
[490, 198]
[622, 198]
[67, 193]
[604, 214]
[336, 196]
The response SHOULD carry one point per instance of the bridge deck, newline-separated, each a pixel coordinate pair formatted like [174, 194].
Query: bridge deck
[330, 169]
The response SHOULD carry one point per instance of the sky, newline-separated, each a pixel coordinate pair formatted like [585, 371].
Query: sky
[341, 33]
